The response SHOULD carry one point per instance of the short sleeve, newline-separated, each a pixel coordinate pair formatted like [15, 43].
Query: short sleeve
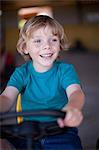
[17, 79]
[69, 76]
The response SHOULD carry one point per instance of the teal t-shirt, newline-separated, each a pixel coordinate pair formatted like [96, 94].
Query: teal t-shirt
[45, 90]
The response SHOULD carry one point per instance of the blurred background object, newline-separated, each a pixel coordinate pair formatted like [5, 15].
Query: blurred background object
[7, 66]
[78, 46]
[80, 19]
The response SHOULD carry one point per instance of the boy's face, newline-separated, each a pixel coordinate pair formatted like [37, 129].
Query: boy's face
[43, 48]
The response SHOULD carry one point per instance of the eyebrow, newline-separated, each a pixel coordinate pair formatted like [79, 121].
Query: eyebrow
[42, 36]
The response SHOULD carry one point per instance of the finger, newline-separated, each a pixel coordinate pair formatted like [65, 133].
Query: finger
[68, 116]
[60, 122]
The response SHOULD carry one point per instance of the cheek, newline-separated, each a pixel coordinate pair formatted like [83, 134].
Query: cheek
[58, 47]
[33, 52]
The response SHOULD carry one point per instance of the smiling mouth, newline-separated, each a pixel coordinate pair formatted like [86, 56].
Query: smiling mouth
[46, 55]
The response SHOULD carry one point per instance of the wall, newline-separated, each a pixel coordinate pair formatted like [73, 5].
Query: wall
[87, 33]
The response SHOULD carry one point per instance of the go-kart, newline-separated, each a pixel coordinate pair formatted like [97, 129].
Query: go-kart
[30, 130]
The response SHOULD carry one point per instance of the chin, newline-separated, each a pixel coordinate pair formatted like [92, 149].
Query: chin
[46, 64]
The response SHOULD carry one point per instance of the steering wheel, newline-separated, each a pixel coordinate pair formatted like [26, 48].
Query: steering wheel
[45, 112]
[33, 130]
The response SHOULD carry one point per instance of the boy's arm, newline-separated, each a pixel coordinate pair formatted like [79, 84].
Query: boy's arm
[7, 98]
[73, 109]
[76, 97]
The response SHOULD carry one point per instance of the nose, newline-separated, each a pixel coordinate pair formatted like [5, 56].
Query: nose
[46, 45]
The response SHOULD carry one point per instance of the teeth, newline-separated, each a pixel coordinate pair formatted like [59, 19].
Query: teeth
[46, 55]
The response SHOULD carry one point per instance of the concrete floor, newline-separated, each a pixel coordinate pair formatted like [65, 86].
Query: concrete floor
[87, 66]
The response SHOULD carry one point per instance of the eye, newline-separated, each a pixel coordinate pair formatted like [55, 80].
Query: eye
[37, 41]
[54, 39]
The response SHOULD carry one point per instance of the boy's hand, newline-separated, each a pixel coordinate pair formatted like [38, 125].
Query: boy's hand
[73, 118]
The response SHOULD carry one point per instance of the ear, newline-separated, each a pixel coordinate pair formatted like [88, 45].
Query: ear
[25, 51]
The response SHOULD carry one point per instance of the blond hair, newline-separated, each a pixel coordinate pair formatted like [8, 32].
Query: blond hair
[35, 23]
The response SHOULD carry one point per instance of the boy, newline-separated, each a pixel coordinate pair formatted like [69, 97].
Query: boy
[45, 83]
